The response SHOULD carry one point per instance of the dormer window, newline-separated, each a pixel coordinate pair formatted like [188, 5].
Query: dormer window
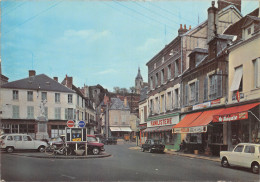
[249, 31]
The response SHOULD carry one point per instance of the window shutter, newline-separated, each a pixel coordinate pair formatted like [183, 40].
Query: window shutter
[206, 88]
[219, 84]
[186, 94]
[215, 85]
[74, 113]
[197, 91]
[66, 114]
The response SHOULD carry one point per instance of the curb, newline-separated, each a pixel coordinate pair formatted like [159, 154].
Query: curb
[65, 157]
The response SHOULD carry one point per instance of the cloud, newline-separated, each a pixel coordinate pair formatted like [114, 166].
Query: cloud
[85, 34]
[151, 44]
[105, 72]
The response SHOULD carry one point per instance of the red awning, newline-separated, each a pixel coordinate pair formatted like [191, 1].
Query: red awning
[164, 128]
[234, 113]
[187, 120]
[205, 118]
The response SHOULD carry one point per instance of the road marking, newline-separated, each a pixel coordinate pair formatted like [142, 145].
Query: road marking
[71, 177]
[156, 169]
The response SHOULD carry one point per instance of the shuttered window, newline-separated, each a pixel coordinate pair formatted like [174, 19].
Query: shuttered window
[197, 91]
[205, 96]
[186, 94]
[219, 83]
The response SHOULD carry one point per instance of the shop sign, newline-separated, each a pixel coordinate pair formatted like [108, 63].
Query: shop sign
[163, 122]
[198, 129]
[201, 106]
[235, 96]
[215, 102]
[231, 117]
[181, 130]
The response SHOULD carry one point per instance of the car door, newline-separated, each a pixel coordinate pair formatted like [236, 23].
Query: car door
[248, 155]
[28, 143]
[234, 158]
[18, 142]
[146, 144]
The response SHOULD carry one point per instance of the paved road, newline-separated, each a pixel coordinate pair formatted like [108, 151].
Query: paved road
[123, 165]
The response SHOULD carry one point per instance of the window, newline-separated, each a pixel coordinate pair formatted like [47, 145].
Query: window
[15, 95]
[169, 72]
[15, 112]
[154, 66]
[162, 103]
[176, 98]
[151, 83]
[151, 106]
[212, 87]
[250, 149]
[156, 79]
[162, 76]
[205, 96]
[29, 95]
[78, 100]
[192, 93]
[69, 113]
[27, 138]
[57, 97]
[219, 84]
[44, 95]
[10, 138]
[18, 138]
[248, 31]
[237, 79]
[256, 75]
[70, 98]
[239, 148]
[157, 105]
[162, 59]
[57, 113]
[169, 101]
[176, 70]
[186, 102]
[30, 112]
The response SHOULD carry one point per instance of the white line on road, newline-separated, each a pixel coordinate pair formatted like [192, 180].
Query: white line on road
[71, 177]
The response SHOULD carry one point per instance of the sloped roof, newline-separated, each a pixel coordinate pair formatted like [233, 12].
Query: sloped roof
[118, 104]
[143, 93]
[38, 82]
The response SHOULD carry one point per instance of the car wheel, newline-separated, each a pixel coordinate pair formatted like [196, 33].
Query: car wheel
[9, 149]
[255, 168]
[41, 149]
[142, 149]
[95, 151]
[150, 150]
[224, 162]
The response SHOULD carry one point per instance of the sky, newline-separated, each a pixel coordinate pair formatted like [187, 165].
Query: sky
[95, 42]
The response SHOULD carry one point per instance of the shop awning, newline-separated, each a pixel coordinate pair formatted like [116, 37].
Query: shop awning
[165, 128]
[126, 129]
[113, 128]
[196, 122]
[234, 113]
[150, 129]
[237, 79]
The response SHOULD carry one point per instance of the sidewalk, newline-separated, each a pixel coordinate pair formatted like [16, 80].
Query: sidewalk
[44, 155]
[198, 156]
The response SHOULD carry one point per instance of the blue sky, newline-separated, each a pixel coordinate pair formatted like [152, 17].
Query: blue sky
[96, 42]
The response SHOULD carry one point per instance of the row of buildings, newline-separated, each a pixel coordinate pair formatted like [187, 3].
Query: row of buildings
[204, 86]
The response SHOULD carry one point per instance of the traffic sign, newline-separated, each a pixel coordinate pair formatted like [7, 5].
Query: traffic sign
[81, 124]
[70, 123]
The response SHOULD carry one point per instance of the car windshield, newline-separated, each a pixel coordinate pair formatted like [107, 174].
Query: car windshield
[2, 137]
[92, 139]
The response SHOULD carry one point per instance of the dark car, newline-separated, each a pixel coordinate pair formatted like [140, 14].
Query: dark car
[152, 145]
[110, 141]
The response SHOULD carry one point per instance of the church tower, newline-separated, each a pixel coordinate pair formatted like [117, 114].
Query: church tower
[138, 82]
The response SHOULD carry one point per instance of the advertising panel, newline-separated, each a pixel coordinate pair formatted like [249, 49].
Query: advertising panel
[230, 117]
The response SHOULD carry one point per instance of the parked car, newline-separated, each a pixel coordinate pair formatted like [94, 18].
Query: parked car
[244, 155]
[153, 145]
[110, 141]
[94, 147]
[11, 142]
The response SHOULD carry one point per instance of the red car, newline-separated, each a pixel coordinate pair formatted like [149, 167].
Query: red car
[94, 147]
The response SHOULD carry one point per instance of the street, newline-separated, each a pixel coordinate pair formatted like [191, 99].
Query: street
[124, 165]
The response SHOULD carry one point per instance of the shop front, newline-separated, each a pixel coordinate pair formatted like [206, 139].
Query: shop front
[242, 124]
[160, 128]
[120, 131]
[199, 134]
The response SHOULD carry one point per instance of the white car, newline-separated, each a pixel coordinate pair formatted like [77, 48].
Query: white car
[244, 155]
[16, 141]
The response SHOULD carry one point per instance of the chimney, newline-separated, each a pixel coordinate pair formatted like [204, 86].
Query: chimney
[225, 3]
[69, 82]
[125, 101]
[55, 78]
[212, 21]
[181, 30]
[32, 73]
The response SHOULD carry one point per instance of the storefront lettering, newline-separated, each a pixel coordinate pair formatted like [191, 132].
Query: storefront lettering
[215, 102]
[201, 106]
[160, 122]
[231, 117]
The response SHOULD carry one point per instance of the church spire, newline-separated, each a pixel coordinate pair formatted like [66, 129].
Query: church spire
[139, 76]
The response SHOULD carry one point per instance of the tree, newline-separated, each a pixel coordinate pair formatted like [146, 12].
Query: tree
[116, 90]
